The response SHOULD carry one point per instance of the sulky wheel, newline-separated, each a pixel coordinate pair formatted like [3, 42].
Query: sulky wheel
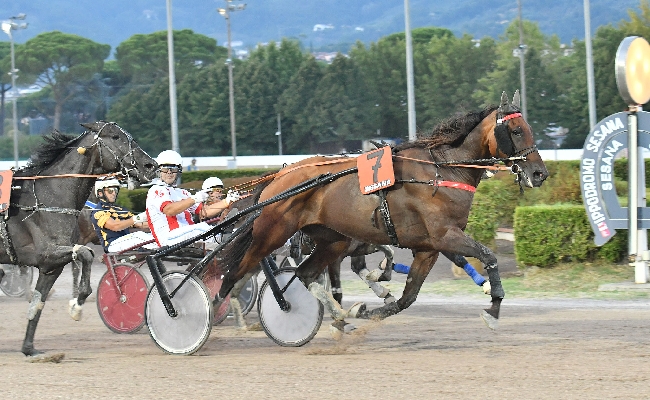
[16, 279]
[300, 323]
[190, 328]
[121, 298]
[323, 278]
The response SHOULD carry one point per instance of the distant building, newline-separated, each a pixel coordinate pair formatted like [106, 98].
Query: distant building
[327, 57]
[322, 27]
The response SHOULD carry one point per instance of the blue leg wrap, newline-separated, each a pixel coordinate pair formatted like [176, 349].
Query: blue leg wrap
[478, 279]
[401, 268]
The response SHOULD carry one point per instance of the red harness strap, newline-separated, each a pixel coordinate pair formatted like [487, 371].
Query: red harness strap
[456, 185]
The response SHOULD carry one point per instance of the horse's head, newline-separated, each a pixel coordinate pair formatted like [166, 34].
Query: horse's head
[515, 140]
[118, 152]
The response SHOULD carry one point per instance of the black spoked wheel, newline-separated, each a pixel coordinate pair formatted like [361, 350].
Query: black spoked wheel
[296, 326]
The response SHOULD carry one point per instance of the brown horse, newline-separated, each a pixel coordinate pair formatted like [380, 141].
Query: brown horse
[428, 205]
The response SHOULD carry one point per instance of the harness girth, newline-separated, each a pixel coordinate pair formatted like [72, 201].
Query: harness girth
[388, 221]
[6, 239]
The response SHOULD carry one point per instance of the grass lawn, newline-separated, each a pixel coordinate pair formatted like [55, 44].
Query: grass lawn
[571, 280]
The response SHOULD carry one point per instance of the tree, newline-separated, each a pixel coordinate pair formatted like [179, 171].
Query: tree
[143, 58]
[341, 109]
[451, 69]
[259, 84]
[204, 114]
[144, 111]
[383, 68]
[292, 106]
[63, 62]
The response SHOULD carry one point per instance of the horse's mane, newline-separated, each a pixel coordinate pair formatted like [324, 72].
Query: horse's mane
[52, 147]
[449, 131]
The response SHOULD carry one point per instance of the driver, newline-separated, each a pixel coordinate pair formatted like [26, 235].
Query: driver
[170, 209]
[112, 222]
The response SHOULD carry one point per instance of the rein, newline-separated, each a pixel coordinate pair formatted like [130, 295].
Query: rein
[31, 178]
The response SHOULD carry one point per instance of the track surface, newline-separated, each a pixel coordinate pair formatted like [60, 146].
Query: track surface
[438, 348]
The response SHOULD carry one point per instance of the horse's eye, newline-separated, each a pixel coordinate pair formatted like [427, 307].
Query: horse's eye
[517, 131]
[115, 137]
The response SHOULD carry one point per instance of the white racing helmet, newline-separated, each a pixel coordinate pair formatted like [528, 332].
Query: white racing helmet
[212, 182]
[170, 157]
[104, 183]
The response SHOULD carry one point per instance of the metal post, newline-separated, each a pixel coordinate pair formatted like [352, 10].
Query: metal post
[522, 67]
[172, 79]
[591, 86]
[279, 134]
[410, 87]
[231, 99]
[15, 102]
[640, 270]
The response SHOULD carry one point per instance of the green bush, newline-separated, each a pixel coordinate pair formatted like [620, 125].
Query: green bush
[547, 235]
[492, 206]
[135, 200]
[193, 176]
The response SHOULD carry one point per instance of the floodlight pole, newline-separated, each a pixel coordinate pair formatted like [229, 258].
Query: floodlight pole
[7, 27]
[410, 86]
[522, 65]
[172, 80]
[591, 85]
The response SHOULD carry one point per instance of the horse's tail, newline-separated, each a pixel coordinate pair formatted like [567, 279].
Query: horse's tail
[235, 251]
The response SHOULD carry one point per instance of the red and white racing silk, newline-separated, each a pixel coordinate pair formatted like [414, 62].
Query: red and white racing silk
[163, 226]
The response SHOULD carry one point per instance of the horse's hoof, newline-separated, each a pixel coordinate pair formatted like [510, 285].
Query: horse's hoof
[337, 328]
[489, 320]
[348, 328]
[387, 273]
[374, 275]
[75, 309]
[31, 352]
[487, 289]
[389, 299]
[356, 308]
[256, 327]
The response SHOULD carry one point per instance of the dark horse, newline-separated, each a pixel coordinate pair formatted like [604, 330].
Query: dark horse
[429, 205]
[42, 230]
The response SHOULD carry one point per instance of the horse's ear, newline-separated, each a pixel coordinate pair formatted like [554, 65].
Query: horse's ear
[504, 101]
[90, 126]
[516, 99]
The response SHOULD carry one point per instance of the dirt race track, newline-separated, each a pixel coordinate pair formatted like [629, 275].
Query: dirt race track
[437, 349]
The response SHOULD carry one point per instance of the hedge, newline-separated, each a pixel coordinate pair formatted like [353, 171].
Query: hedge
[546, 235]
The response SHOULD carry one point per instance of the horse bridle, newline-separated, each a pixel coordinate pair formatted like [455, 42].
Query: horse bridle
[99, 142]
[505, 144]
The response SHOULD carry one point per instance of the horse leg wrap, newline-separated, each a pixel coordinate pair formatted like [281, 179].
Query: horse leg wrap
[378, 289]
[75, 279]
[495, 281]
[75, 309]
[76, 248]
[35, 305]
[235, 307]
[325, 297]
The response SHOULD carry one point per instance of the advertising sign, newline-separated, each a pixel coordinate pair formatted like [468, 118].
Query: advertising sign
[604, 142]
